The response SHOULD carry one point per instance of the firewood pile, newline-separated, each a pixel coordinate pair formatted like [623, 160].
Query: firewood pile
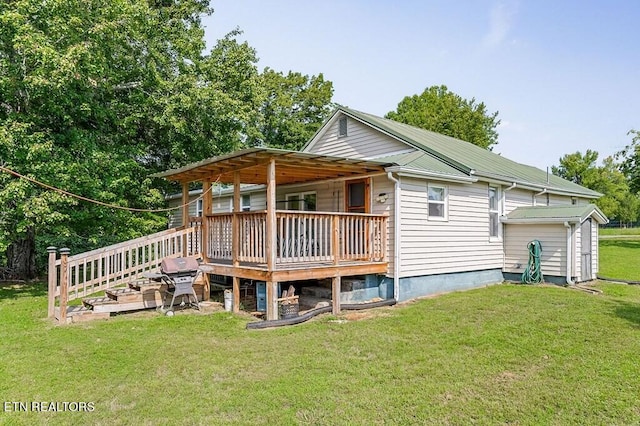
[288, 296]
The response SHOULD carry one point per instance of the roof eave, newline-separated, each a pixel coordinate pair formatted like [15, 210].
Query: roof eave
[409, 172]
[533, 187]
[541, 221]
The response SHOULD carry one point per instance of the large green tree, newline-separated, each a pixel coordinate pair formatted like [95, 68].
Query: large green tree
[95, 95]
[293, 108]
[440, 110]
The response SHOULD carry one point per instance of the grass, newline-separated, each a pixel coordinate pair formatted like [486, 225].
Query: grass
[619, 232]
[619, 250]
[506, 354]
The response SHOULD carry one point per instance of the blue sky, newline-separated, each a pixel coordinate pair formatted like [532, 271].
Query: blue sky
[564, 75]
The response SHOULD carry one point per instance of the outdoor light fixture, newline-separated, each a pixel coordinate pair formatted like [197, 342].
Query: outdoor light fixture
[382, 197]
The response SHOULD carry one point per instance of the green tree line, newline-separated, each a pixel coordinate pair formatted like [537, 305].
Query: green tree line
[617, 178]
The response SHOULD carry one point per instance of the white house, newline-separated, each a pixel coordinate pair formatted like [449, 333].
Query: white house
[456, 215]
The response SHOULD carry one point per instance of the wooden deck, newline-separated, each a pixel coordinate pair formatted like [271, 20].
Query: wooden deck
[293, 271]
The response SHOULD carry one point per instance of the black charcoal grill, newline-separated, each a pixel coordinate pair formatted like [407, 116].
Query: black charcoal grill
[179, 274]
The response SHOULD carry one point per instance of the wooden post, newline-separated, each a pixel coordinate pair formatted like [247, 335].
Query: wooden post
[335, 239]
[335, 294]
[207, 209]
[185, 216]
[53, 281]
[64, 284]
[270, 243]
[235, 224]
[272, 300]
[236, 295]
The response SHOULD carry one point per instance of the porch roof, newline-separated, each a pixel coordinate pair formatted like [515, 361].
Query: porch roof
[291, 167]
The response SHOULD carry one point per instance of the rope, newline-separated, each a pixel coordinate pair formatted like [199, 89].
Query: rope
[533, 272]
[101, 203]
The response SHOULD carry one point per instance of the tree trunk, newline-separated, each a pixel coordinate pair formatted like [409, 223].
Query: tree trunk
[21, 257]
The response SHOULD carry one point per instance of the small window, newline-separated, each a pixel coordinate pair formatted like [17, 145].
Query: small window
[199, 207]
[342, 127]
[437, 202]
[494, 212]
[246, 203]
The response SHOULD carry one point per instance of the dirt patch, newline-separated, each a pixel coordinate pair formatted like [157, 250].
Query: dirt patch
[363, 315]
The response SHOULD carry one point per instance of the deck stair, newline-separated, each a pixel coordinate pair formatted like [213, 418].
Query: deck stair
[139, 294]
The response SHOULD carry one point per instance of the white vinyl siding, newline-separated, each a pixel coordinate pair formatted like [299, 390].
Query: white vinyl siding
[458, 245]
[559, 200]
[360, 142]
[515, 198]
[553, 239]
[382, 184]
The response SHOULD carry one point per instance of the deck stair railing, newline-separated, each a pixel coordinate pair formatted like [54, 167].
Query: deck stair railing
[80, 275]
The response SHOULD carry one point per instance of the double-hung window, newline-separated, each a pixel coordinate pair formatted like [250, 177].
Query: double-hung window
[245, 205]
[437, 203]
[495, 207]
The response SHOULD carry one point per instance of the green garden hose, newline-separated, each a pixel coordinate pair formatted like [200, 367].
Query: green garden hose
[533, 272]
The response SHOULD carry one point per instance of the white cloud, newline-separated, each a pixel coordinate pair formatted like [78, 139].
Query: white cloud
[501, 20]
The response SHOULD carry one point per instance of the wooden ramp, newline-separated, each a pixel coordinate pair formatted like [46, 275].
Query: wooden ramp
[139, 294]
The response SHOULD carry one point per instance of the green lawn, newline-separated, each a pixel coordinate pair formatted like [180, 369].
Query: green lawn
[606, 232]
[620, 253]
[506, 354]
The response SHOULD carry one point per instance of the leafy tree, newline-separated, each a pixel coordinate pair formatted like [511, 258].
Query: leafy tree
[617, 201]
[576, 167]
[630, 161]
[442, 111]
[293, 109]
[87, 91]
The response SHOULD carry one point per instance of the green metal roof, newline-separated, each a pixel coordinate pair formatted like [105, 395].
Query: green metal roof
[420, 161]
[555, 214]
[468, 158]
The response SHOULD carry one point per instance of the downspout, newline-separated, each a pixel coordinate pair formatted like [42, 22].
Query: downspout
[513, 185]
[535, 196]
[396, 236]
[569, 254]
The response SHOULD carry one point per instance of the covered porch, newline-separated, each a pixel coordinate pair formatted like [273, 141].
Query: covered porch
[275, 245]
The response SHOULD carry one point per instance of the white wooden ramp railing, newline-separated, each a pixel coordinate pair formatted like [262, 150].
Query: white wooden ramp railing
[72, 277]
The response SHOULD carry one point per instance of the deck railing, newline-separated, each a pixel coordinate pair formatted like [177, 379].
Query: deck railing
[300, 237]
[80, 275]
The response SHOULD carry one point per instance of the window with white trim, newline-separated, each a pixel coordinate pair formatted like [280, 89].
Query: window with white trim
[305, 201]
[495, 209]
[199, 207]
[245, 204]
[437, 203]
